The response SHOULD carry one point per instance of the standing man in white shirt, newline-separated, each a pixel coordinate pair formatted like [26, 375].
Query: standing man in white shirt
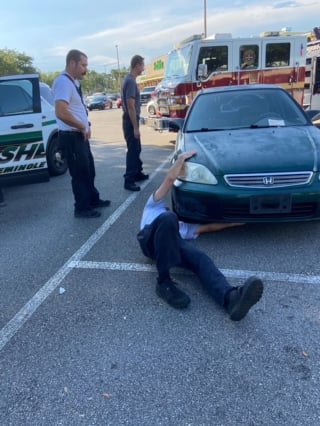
[74, 135]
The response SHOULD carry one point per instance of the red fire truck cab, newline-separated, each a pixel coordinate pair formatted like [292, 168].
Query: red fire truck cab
[221, 60]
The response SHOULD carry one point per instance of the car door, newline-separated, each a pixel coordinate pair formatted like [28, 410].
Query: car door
[22, 150]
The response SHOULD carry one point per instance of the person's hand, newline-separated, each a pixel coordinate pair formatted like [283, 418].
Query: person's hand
[136, 133]
[177, 169]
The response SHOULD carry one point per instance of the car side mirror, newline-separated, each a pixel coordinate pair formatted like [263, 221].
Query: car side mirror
[174, 125]
[202, 71]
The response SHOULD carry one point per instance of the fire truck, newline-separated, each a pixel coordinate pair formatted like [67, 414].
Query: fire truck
[311, 98]
[222, 60]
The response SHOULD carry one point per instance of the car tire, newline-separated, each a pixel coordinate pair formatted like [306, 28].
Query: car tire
[151, 110]
[57, 163]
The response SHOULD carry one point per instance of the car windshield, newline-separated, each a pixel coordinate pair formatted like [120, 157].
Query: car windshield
[178, 62]
[148, 90]
[99, 98]
[246, 108]
[46, 93]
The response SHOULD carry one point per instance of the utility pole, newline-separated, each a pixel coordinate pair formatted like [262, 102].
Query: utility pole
[119, 83]
[205, 18]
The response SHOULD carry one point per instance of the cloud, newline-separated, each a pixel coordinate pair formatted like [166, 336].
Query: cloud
[154, 30]
[285, 4]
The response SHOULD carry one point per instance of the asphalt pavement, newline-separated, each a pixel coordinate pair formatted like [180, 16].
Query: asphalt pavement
[84, 340]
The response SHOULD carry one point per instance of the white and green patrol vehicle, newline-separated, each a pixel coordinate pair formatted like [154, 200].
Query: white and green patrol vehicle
[29, 139]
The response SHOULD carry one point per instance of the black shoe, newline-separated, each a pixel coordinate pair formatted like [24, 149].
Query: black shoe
[168, 291]
[241, 299]
[131, 186]
[88, 213]
[141, 176]
[101, 203]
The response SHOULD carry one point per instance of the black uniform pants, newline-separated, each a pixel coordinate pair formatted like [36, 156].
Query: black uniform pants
[162, 242]
[133, 161]
[81, 168]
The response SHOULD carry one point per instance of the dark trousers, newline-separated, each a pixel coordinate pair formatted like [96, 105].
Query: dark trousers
[162, 242]
[133, 161]
[81, 167]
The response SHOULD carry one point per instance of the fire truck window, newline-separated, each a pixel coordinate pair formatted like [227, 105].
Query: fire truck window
[316, 87]
[215, 57]
[249, 56]
[277, 54]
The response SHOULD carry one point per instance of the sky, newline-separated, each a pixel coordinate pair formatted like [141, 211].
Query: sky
[107, 30]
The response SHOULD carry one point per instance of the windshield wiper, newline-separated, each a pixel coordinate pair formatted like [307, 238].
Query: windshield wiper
[265, 126]
[205, 129]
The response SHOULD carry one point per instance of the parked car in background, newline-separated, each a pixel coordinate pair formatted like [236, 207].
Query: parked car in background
[258, 158]
[88, 99]
[152, 107]
[113, 96]
[119, 103]
[99, 102]
[145, 94]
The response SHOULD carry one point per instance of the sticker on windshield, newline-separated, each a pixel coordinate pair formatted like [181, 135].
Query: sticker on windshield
[274, 122]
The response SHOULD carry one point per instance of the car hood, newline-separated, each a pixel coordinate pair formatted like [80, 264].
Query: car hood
[280, 149]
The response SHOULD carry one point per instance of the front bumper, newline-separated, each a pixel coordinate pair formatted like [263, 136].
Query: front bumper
[204, 203]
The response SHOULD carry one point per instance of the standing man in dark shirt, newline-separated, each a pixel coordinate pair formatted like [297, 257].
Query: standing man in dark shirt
[74, 135]
[130, 124]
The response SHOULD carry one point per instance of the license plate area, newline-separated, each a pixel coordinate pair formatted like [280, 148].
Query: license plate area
[270, 204]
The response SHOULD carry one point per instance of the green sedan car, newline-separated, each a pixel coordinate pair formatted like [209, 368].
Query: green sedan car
[258, 158]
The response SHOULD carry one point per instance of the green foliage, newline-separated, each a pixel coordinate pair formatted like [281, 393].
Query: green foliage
[93, 82]
[48, 77]
[12, 62]
[102, 82]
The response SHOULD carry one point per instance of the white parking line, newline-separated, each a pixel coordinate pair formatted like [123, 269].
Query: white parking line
[11, 328]
[229, 273]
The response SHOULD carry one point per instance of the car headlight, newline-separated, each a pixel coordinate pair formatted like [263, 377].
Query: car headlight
[197, 173]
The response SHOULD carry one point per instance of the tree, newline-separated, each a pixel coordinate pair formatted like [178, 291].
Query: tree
[48, 77]
[12, 62]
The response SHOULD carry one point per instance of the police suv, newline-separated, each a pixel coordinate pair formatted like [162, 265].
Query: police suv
[29, 139]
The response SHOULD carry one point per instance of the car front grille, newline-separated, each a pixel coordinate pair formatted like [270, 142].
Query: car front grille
[268, 180]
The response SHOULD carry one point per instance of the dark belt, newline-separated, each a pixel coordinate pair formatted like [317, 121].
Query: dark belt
[66, 132]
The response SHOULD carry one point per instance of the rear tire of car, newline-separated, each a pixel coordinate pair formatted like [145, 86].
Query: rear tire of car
[57, 163]
[151, 110]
